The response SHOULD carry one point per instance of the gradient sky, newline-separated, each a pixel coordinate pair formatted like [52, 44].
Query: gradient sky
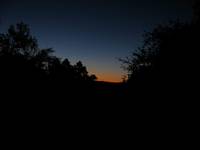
[97, 32]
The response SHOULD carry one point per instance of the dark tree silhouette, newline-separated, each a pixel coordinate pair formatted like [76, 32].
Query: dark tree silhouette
[167, 61]
[26, 67]
[18, 40]
[197, 10]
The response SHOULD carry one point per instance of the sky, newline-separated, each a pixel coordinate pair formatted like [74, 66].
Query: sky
[97, 32]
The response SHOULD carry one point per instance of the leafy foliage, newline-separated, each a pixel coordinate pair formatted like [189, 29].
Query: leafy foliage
[167, 58]
[23, 62]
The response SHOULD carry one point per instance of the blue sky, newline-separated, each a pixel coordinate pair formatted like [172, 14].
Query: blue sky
[97, 32]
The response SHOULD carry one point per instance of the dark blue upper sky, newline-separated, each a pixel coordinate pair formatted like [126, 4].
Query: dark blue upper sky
[97, 32]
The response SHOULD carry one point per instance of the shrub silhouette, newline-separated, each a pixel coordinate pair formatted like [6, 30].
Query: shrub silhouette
[167, 62]
[24, 65]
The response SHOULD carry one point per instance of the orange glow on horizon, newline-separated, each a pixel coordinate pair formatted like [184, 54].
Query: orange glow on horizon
[109, 77]
[106, 75]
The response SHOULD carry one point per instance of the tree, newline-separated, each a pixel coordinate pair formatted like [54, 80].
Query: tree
[42, 58]
[82, 73]
[22, 61]
[167, 58]
[18, 41]
[93, 77]
[81, 70]
[196, 8]
[66, 64]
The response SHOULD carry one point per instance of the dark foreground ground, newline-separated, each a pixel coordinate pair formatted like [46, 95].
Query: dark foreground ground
[103, 113]
[109, 90]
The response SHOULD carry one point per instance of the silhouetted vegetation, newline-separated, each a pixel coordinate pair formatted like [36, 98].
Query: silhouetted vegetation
[27, 69]
[45, 93]
[167, 62]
